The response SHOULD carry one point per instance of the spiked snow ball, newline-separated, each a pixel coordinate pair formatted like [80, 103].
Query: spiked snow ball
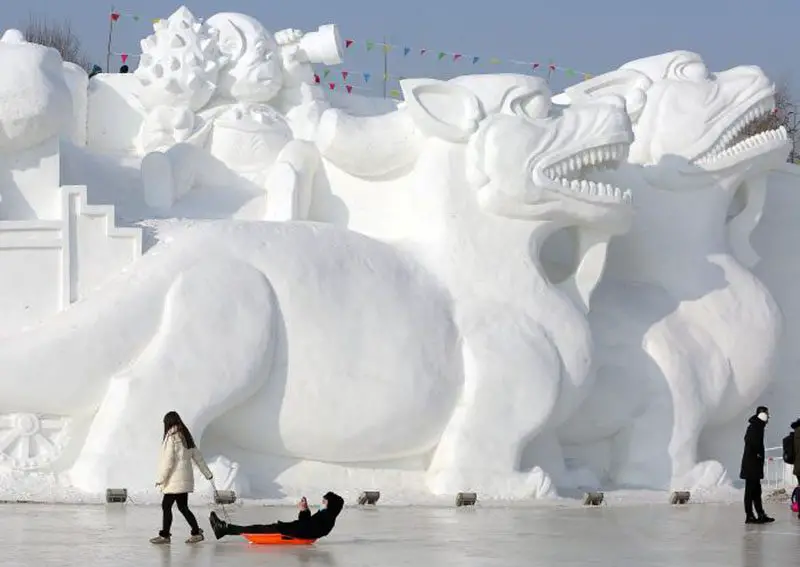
[180, 63]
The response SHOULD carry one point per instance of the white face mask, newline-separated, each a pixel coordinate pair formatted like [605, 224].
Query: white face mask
[763, 417]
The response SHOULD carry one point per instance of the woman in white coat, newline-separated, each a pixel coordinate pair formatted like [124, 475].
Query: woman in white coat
[176, 477]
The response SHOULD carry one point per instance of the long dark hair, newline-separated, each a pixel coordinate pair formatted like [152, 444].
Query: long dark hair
[172, 419]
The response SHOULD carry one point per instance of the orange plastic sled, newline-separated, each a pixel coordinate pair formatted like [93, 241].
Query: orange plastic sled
[276, 539]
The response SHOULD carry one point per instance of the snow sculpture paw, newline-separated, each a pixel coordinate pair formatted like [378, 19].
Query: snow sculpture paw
[226, 475]
[180, 63]
[288, 36]
[708, 474]
[164, 127]
[492, 484]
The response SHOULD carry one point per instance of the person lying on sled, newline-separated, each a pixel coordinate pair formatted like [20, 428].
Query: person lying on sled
[305, 527]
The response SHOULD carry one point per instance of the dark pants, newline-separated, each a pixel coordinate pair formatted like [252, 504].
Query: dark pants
[182, 500]
[233, 529]
[752, 498]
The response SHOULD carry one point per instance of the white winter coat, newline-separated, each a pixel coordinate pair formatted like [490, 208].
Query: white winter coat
[175, 474]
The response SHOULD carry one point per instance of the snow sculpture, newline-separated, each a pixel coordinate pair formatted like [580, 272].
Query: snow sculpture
[54, 247]
[682, 326]
[228, 104]
[435, 331]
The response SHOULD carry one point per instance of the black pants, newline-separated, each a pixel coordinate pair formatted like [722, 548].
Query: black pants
[233, 529]
[182, 500]
[752, 498]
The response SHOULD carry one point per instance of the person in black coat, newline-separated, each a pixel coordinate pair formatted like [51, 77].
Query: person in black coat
[306, 526]
[753, 467]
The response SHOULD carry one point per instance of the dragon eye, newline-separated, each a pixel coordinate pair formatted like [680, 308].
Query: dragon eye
[534, 105]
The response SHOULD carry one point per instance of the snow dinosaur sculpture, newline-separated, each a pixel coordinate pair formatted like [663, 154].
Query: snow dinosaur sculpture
[456, 333]
[685, 333]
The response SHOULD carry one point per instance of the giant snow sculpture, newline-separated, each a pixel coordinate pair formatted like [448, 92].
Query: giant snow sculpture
[428, 317]
[451, 328]
[682, 326]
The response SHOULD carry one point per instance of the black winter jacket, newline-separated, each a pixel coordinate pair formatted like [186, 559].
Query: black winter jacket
[308, 526]
[753, 456]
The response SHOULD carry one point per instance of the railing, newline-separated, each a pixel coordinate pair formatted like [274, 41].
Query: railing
[777, 474]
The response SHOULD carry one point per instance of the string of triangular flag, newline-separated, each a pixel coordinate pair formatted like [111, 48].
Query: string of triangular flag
[116, 15]
[456, 56]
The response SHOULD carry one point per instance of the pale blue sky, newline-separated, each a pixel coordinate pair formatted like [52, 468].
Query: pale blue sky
[587, 35]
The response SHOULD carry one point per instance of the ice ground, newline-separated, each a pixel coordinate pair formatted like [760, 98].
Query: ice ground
[534, 535]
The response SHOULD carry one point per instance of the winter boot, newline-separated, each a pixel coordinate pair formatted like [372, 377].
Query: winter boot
[765, 519]
[220, 528]
[751, 520]
[160, 540]
[196, 538]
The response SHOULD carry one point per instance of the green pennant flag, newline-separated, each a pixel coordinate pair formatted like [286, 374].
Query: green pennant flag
[441, 55]
[494, 61]
[394, 93]
[370, 45]
[325, 73]
[570, 72]
[387, 48]
[136, 18]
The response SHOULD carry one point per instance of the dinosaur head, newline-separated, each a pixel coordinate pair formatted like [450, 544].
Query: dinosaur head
[689, 124]
[527, 159]
[691, 118]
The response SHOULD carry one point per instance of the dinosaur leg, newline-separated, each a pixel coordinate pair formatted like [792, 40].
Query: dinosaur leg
[512, 377]
[290, 184]
[212, 352]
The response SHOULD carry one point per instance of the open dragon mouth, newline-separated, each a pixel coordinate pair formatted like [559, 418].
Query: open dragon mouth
[737, 141]
[569, 175]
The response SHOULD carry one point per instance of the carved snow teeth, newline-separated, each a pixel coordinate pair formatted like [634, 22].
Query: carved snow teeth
[722, 148]
[595, 158]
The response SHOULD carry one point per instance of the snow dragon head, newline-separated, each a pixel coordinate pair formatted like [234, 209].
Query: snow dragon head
[527, 159]
[689, 126]
[691, 118]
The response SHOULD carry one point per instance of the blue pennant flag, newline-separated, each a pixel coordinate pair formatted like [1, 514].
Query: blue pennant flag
[366, 77]
[406, 51]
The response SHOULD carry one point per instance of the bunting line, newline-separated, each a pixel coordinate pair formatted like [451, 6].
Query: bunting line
[453, 56]
[456, 56]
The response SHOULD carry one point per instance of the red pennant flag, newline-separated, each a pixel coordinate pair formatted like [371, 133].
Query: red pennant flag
[348, 43]
[535, 65]
[124, 57]
[114, 16]
[456, 56]
[344, 74]
[349, 88]
[316, 78]
[552, 67]
[332, 85]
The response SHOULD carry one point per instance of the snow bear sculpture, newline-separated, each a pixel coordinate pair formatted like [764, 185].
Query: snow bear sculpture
[686, 334]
